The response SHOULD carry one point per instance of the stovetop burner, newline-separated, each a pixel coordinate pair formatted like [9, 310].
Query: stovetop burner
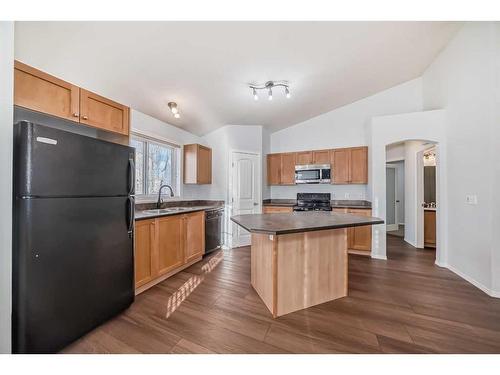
[313, 202]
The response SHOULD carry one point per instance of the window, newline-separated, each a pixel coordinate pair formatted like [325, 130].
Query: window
[156, 162]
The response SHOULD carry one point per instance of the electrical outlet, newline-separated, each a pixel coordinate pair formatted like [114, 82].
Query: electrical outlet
[347, 195]
[471, 199]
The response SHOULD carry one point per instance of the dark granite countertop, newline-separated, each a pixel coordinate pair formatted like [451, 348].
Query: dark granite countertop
[334, 203]
[148, 210]
[283, 223]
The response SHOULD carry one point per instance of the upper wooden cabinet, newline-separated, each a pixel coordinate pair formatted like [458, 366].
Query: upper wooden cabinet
[321, 157]
[304, 157]
[350, 165]
[340, 166]
[103, 113]
[42, 92]
[197, 164]
[288, 161]
[274, 169]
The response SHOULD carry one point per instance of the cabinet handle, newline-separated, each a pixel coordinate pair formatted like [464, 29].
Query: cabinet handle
[85, 117]
[75, 115]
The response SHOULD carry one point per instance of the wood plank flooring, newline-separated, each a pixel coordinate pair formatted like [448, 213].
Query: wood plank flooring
[403, 305]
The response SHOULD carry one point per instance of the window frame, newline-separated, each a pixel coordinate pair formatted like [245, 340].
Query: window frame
[147, 140]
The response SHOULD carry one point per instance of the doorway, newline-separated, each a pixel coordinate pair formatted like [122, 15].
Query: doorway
[244, 192]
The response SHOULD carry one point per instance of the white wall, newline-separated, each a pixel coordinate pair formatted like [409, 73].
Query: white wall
[344, 127]
[266, 149]
[6, 118]
[464, 79]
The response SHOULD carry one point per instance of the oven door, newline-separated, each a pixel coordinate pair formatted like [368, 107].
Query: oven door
[307, 175]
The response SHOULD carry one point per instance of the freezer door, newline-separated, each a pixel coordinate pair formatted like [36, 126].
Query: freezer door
[55, 163]
[73, 269]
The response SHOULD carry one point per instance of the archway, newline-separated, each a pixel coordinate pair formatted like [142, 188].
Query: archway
[386, 130]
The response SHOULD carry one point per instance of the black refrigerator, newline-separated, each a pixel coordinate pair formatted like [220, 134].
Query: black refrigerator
[73, 220]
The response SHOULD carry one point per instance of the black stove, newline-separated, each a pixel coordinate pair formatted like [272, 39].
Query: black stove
[313, 202]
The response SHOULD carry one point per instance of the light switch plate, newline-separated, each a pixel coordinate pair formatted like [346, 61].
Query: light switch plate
[471, 199]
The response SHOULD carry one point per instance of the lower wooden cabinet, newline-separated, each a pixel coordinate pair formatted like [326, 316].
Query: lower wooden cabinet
[166, 245]
[145, 237]
[276, 209]
[359, 239]
[429, 228]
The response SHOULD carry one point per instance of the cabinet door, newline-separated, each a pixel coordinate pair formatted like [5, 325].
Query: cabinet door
[194, 235]
[42, 92]
[273, 169]
[360, 238]
[304, 157]
[321, 157]
[170, 243]
[288, 168]
[204, 163]
[144, 251]
[430, 228]
[359, 165]
[276, 209]
[340, 166]
[102, 113]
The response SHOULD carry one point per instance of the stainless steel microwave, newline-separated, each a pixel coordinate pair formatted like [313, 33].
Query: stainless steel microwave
[312, 174]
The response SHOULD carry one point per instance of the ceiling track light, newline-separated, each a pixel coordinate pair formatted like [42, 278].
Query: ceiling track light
[269, 85]
[174, 109]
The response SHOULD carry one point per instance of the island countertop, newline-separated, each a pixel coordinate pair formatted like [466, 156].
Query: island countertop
[285, 223]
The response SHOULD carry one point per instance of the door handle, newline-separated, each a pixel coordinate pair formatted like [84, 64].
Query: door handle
[255, 204]
[131, 176]
[130, 216]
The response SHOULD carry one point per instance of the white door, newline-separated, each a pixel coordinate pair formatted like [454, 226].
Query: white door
[245, 192]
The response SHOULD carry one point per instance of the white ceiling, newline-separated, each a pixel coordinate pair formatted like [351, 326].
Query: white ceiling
[205, 66]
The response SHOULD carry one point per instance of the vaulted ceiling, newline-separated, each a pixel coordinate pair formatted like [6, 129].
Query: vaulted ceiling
[206, 66]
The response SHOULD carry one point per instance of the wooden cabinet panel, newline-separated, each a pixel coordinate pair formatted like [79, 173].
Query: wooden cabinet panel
[204, 165]
[359, 165]
[100, 112]
[197, 164]
[321, 157]
[273, 169]
[144, 251]
[194, 235]
[429, 228]
[340, 166]
[276, 209]
[42, 92]
[360, 238]
[288, 168]
[170, 243]
[304, 157]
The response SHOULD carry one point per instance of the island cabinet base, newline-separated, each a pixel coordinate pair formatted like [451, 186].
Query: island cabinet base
[294, 271]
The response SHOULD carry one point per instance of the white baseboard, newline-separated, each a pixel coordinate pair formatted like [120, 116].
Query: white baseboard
[381, 257]
[391, 227]
[477, 284]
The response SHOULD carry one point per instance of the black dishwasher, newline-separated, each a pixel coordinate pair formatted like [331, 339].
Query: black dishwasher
[213, 229]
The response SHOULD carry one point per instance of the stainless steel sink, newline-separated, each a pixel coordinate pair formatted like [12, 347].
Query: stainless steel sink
[165, 210]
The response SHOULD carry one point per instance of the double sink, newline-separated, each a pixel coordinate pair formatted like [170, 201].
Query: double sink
[167, 210]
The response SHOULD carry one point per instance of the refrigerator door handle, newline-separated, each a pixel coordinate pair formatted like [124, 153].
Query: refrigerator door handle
[131, 176]
[130, 216]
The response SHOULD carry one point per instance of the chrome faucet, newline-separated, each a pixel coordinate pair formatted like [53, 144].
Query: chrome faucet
[160, 201]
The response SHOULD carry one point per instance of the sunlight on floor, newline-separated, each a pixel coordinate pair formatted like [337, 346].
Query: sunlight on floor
[190, 285]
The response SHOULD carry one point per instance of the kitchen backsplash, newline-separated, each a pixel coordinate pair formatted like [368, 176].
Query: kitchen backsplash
[340, 192]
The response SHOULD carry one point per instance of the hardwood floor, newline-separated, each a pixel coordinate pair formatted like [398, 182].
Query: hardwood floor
[403, 305]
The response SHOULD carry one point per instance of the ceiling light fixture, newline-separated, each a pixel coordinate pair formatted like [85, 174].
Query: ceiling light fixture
[269, 85]
[174, 109]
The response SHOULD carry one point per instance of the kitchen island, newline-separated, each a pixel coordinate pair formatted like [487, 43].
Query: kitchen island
[299, 259]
